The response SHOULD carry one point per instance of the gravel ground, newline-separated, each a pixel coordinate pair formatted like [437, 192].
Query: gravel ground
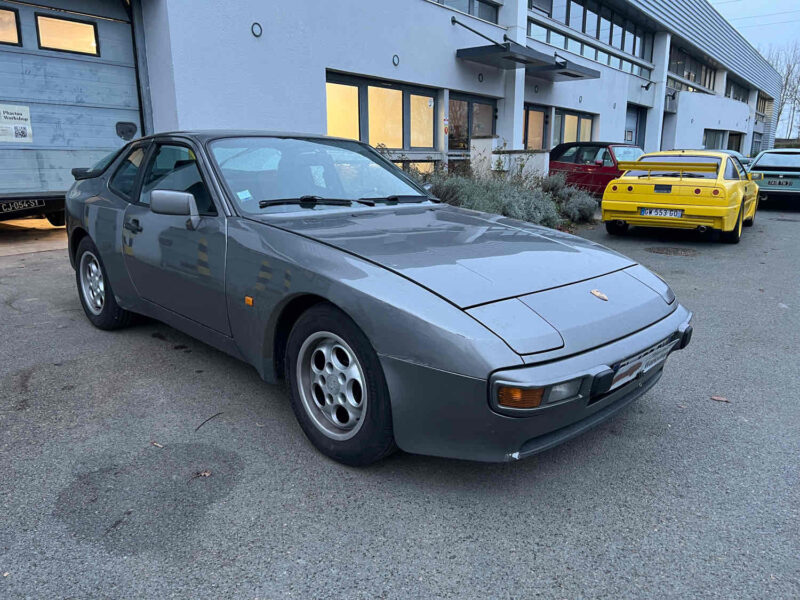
[103, 494]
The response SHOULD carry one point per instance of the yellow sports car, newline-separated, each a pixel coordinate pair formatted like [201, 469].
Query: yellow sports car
[686, 189]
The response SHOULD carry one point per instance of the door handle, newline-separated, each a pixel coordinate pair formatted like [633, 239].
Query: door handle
[133, 226]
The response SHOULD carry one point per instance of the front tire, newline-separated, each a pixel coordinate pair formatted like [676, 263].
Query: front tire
[733, 236]
[94, 289]
[338, 390]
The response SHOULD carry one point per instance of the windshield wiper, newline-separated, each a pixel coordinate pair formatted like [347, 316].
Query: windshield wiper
[397, 199]
[306, 201]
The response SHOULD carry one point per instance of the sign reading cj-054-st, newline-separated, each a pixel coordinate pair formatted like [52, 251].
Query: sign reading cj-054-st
[15, 123]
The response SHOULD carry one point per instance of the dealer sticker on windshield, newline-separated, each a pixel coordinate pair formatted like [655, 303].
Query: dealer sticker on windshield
[630, 369]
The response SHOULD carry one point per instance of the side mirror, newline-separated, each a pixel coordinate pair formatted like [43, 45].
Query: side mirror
[599, 162]
[167, 202]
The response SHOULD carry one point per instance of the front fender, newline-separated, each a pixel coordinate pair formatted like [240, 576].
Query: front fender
[400, 318]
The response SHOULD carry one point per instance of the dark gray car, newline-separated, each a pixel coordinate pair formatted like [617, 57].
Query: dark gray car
[397, 320]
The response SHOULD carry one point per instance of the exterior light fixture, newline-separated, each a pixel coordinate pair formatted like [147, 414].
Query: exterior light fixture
[256, 29]
[395, 60]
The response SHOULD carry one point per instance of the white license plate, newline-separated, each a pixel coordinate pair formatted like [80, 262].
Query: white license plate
[661, 212]
[15, 205]
[643, 362]
[779, 182]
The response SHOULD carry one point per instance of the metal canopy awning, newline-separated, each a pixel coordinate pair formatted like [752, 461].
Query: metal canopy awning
[510, 55]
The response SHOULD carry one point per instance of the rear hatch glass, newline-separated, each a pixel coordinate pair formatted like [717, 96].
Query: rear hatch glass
[678, 173]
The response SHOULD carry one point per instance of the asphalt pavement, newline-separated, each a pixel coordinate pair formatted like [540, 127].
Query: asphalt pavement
[108, 489]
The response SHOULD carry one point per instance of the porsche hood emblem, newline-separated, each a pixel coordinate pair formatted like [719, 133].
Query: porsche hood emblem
[599, 294]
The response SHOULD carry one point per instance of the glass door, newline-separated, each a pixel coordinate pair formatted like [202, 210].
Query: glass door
[535, 128]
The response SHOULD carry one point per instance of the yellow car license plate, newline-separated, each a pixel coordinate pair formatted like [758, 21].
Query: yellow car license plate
[661, 212]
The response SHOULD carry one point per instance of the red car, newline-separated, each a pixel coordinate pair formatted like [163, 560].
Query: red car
[591, 165]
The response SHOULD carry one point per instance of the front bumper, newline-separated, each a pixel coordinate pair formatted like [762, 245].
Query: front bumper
[446, 414]
[713, 217]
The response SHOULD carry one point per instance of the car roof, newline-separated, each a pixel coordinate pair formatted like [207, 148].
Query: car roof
[709, 153]
[783, 150]
[592, 143]
[203, 135]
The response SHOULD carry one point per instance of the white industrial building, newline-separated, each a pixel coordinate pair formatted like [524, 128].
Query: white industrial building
[420, 77]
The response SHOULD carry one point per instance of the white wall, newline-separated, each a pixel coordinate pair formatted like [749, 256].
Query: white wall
[698, 112]
[227, 78]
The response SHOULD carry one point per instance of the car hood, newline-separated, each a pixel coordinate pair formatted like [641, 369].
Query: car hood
[466, 257]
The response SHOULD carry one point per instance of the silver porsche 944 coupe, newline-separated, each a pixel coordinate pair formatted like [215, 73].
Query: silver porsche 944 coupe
[397, 320]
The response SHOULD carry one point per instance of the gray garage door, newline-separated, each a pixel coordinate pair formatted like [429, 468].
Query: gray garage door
[68, 91]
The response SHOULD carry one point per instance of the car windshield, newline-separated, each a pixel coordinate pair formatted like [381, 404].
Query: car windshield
[778, 161]
[627, 153]
[271, 174]
[677, 159]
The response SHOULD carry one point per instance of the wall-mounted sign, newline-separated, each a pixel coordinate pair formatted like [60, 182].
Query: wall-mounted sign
[15, 123]
[629, 136]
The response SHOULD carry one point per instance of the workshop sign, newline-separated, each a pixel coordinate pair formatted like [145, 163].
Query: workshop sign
[15, 123]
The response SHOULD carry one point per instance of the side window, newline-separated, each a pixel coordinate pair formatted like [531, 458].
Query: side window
[740, 166]
[124, 179]
[731, 172]
[175, 168]
[568, 156]
[586, 155]
[605, 156]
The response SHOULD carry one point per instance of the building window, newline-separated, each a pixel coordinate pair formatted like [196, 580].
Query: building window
[572, 127]
[545, 6]
[482, 9]
[713, 139]
[736, 92]
[469, 117]
[685, 66]
[395, 116]
[682, 87]
[385, 116]
[607, 27]
[67, 35]
[535, 128]
[755, 148]
[9, 27]
[343, 117]
[761, 105]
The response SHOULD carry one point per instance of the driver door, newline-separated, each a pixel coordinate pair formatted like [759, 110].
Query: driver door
[170, 264]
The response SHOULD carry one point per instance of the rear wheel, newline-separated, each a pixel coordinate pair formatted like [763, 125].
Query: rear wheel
[94, 289]
[616, 227]
[338, 391]
[733, 236]
[57, 219]
[749, 222]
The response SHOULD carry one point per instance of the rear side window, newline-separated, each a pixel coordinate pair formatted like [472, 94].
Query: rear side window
[175, 168]
[731, 172]
[124, 179]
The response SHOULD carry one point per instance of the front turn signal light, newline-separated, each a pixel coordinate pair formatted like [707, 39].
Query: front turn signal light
[514, 397]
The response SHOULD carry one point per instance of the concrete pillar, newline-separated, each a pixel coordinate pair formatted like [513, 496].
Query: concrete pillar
[442, 123]
[721, 82]
[511, 109]
[747, 140]
[655, 116]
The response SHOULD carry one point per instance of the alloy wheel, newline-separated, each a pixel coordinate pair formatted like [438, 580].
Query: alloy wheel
[332, 385]
[92, 285]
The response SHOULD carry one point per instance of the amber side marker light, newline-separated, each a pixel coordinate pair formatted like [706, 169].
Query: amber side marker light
[248, 300]
[512, 397]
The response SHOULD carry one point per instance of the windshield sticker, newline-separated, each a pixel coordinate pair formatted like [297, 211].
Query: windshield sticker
[245, 195]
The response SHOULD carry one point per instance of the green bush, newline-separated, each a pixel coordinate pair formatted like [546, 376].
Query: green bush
[546, 201]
